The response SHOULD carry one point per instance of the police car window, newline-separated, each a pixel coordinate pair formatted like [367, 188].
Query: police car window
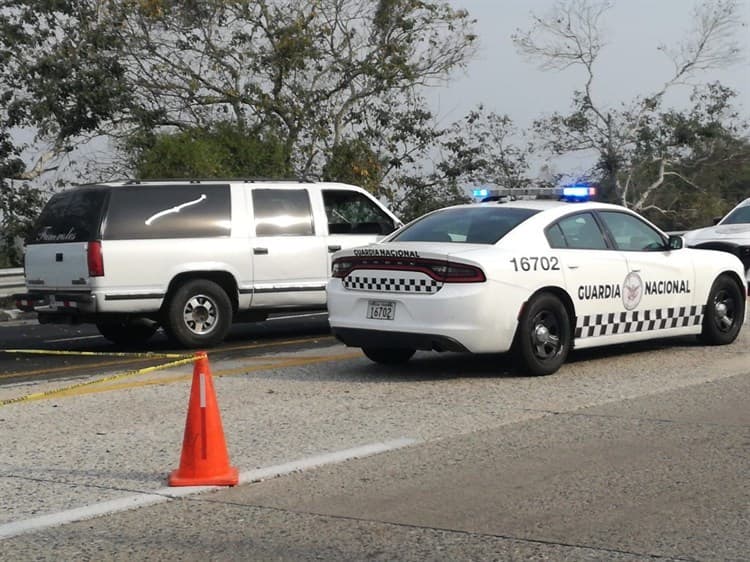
[555, 237]
[351, 212]
[630, 233]
[580, 232]
[472, 225]
[282, 212]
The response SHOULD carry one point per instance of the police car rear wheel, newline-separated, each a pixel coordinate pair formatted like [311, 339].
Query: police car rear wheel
[388, 356]
[199, 314]
[543, 337]
[725, 312]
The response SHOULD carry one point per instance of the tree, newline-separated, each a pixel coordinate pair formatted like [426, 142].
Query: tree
[219, 151]
[19, 203]
[311, 71]
[632, 170]
[709, 155]
[60, 76]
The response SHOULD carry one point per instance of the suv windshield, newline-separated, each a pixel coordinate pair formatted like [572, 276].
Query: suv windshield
[70, 216]
[471, 225]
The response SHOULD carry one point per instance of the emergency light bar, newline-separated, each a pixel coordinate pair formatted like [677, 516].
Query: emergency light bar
[566, 193]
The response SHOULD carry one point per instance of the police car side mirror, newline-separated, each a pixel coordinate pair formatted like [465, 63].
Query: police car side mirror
[676, 242]
[717, 219]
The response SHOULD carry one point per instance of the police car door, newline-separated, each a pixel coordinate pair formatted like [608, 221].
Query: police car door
[660, 281]
[290, 261]
[594, 273]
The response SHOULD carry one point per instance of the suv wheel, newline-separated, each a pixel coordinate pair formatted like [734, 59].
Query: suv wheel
[198, 314]
[133, 331]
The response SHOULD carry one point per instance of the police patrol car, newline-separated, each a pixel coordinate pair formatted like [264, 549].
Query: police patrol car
[537, 277]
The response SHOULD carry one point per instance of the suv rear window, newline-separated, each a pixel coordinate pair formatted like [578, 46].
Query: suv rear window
[70, 216]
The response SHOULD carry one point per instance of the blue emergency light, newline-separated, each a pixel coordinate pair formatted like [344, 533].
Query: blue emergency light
[578, 192]
[480, 193]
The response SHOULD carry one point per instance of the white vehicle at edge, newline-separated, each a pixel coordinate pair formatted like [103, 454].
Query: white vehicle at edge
[729, 234]
[536, 277]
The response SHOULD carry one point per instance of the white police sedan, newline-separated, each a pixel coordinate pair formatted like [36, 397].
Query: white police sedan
[536, 277]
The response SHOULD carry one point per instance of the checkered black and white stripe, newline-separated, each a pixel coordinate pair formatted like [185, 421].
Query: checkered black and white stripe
[391, 284]
[638, 321]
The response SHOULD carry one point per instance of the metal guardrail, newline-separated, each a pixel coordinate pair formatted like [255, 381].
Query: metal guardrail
[11, 281]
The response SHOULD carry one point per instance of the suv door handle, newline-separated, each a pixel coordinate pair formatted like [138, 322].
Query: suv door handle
[260, 251]
[334, 248]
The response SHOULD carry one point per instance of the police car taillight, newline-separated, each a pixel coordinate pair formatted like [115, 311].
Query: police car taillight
[341, 267]
[95, 259]
[458, 273]
[447, 272]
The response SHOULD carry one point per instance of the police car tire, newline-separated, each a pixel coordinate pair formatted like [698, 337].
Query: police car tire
[128, 332]
[545, 311]
[215, 300]
[725, 292]
[388, 356]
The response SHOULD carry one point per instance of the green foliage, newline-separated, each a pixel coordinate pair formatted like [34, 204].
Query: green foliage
[220, 151]
[354, 162]
[328, 88]
[421, 197]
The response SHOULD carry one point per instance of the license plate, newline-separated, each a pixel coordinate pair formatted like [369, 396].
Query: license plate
[381, 310]
[55, 303]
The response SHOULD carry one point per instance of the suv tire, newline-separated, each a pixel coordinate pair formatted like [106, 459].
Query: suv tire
[198, 314]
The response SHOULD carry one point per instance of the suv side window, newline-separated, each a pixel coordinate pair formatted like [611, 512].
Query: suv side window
[141, 212]
[351, 212]
[282, 212]
[579, 231]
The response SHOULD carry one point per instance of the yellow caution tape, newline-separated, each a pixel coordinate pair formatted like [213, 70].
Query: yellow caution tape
[37, 395]
[147, 355]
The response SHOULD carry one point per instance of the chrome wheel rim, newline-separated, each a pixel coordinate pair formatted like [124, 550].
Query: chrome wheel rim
[200, 314]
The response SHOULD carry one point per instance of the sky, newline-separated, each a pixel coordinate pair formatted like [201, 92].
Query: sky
[629, 65]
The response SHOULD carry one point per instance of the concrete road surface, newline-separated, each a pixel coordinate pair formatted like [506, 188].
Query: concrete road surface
[660, 476]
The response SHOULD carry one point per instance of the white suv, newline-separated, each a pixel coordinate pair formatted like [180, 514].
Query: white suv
[191, 256]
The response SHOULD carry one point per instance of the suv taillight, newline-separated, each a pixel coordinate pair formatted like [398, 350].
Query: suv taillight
[95, 259]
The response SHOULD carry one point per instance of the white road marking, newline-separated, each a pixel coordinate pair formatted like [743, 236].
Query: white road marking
[16, 528]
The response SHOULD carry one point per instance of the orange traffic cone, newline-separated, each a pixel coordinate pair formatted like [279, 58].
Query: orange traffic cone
[204, 460]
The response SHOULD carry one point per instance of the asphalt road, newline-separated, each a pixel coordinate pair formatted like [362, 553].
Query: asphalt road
[23, 345]
[629, 453]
